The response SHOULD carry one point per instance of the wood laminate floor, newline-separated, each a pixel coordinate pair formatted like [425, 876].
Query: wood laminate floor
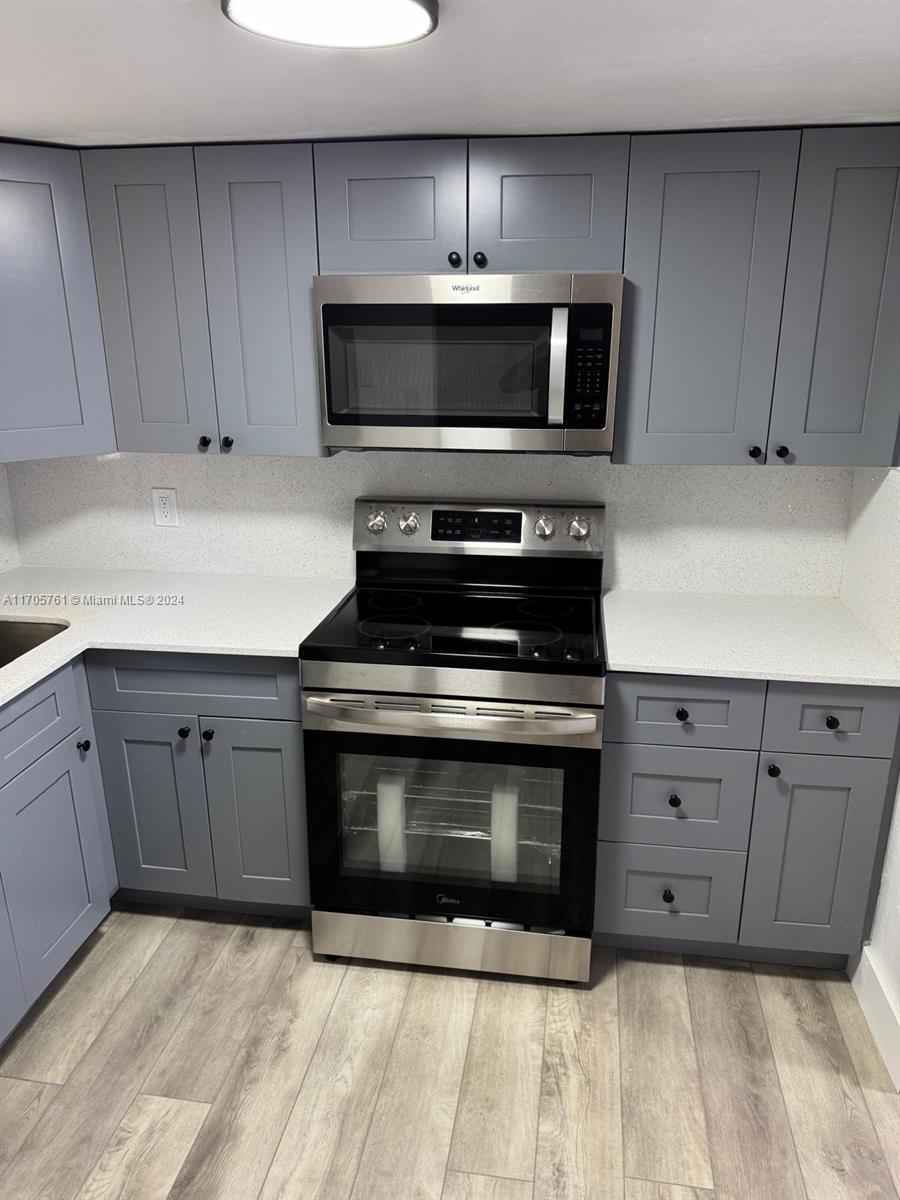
[203, 1057]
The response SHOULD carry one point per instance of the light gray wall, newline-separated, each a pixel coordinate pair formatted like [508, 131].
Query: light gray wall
[716, 529]
[9, 546]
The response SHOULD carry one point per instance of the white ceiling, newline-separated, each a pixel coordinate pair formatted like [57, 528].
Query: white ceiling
[122, 71]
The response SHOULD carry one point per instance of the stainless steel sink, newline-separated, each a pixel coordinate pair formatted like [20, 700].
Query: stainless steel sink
[19, 636]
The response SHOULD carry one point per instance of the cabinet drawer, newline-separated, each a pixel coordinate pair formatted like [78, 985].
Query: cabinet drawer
[669, 892]
[803, 719]
[216, 686]
[35, 721]
[668, 710]
[677, 796]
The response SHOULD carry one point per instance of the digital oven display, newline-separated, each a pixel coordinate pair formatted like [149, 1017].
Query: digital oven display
[450, 525]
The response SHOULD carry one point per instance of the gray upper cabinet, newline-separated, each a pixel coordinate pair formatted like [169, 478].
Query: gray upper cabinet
[391, 207]
[837, 387]
[12, 993]
[548, 203]
[257, 216]
[254, 788]
[54, 394]
[155, 793]
[142, 206]
[709, 218]
[51, 862]
[812, 851]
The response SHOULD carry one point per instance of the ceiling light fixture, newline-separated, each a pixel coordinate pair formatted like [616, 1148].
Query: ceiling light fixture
[343, 24]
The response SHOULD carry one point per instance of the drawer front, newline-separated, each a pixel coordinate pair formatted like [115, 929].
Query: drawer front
[677, 796]
[808, 719]
[669, 892]
[36, 721]
[214, 685]
[668, 710]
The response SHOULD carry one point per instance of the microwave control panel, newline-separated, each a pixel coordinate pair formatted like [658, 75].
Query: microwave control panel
[587, 365]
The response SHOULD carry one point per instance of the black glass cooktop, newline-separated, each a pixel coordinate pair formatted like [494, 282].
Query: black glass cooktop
[535, 631]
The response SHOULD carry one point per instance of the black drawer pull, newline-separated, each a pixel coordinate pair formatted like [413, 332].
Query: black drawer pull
[184, 731]
[832, 722]
[668, 896]
[682, 714]
[84, 746]
[479, 258]
[208, 735]
[454, 258]
[773, 771]
[675, 801]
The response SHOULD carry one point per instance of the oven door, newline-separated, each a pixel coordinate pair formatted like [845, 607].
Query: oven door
[413, 826]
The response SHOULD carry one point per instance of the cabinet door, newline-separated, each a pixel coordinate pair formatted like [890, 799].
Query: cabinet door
[837, 387]
[709, 216]
[257, 812]
[257, 215]
[54, 395]
[812, 851]
[51, 862]
[548, 204]
[391, 207]
[142, 206]
[153, 779]
[12, 994]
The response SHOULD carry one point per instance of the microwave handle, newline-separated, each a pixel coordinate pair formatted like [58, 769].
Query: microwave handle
[556, 399]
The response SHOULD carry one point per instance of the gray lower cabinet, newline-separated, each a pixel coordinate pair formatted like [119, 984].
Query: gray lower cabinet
[142, 205]
[547, 203]
[54, 394]
[807, 718]
[673, 710]
[12, 992]
[837, 386]
[156, 796]
[391, 207]
[254, 788]
[709, 219]
[51, 862]
[812, 851]
[36, 721]
[258, 223]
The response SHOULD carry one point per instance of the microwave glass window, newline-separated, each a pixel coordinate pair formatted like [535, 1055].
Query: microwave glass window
[484, 365]
[432, 820]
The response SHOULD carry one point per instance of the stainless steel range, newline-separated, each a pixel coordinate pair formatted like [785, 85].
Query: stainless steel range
[452, 725]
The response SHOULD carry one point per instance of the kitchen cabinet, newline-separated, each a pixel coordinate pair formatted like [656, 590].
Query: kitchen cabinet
[12, 992]
[51, 862]
[142, 206]
[37, 720]
[255, 787]
[54, 394]
[674, 711]
[391, 207]
[837, 385]
[812, 851]
[156, 797]
[258, 225]
[709, 220]
[547, 203]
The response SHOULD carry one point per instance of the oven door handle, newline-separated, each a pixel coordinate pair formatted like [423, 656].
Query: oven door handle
[556, 387]
[575, 722]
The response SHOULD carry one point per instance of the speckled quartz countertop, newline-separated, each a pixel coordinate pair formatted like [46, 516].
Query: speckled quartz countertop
[220, 614]
[808, 639]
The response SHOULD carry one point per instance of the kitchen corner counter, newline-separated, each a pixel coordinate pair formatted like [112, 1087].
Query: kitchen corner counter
[220, 614]
[805, 639]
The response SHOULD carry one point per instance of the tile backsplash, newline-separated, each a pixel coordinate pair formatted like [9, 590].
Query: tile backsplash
[722, 529]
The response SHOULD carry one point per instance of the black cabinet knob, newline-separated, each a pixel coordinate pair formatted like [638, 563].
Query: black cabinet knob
[674, 801]
[832, 722]
[479, 258]
[208, 735]
[668, 896]
[454, 258]
[773, 771]
[682, 714]
[184, 731]
[755, 451]
[84, 746]
[782, 451]
[227, 442]
[204, 441]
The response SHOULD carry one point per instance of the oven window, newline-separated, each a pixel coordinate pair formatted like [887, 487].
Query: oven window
[444, 820]
[445, 364]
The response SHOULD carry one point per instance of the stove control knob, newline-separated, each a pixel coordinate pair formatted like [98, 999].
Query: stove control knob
[579, 528]
[545, 527]
[376, 522]
[408, 524]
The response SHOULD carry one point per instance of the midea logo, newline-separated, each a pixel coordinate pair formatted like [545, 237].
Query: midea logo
[465, 287]
[442, 899]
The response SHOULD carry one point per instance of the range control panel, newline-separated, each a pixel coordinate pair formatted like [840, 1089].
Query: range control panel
[460, 528]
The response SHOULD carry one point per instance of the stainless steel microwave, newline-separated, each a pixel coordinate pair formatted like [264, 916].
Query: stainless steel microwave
[449, 362]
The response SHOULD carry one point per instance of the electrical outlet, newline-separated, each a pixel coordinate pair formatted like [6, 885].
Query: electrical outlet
[165, 507]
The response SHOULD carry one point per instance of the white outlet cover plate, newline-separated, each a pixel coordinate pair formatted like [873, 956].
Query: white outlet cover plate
[165, 506]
